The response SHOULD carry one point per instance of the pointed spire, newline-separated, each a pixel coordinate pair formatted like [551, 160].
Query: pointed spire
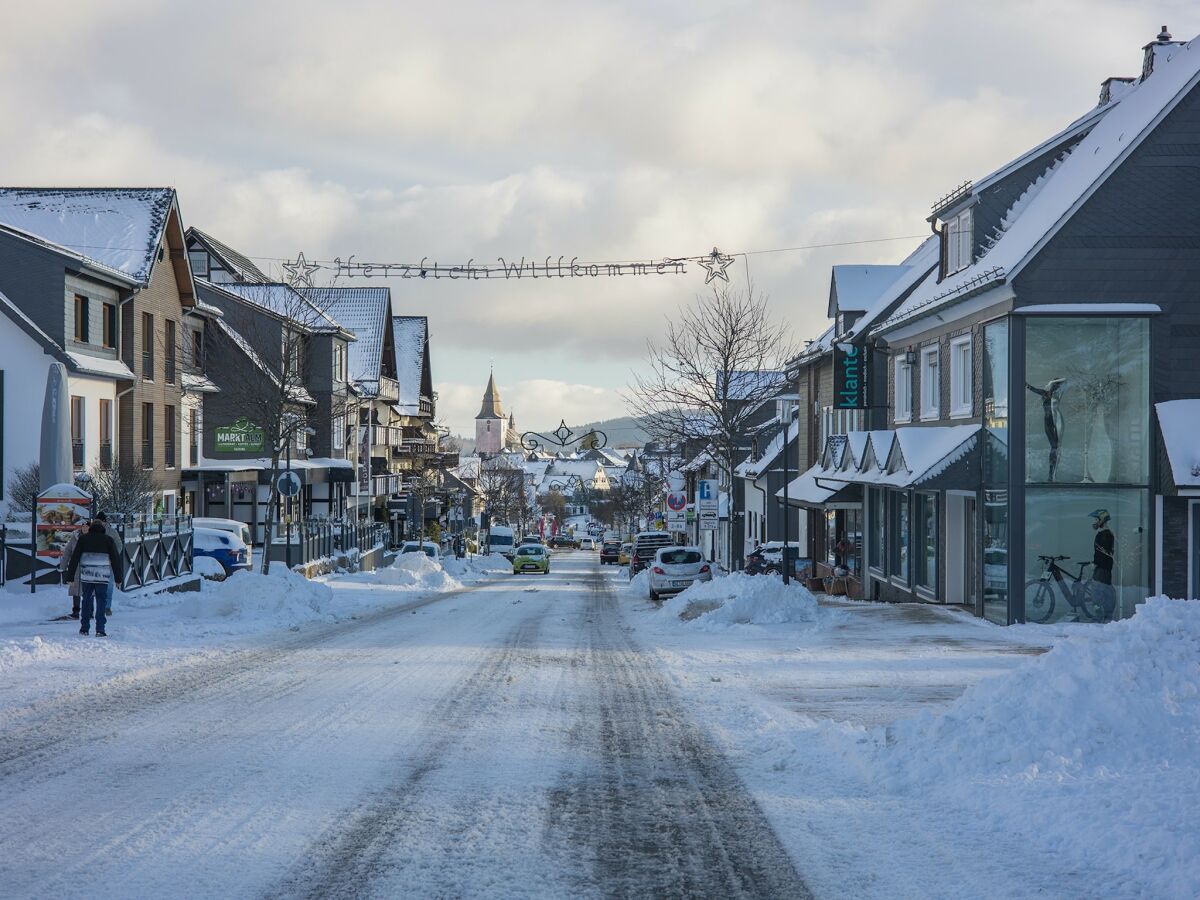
[491, 401]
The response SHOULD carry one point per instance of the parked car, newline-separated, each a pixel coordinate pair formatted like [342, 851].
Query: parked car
[768, 558]
[610, 552]
[587, 543]
[645, 545]
[562, 542]
[241, 529]
[676, 569]
[224, 546]
[429, 548]
[624, 554]
[532, 558]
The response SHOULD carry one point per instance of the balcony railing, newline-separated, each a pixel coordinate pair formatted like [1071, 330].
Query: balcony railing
[426, 406]
[147, 454]
[389, 390]
[194, 455]
[169, 454]
[148, 365]
[77, 454]
[386, 436]
[170, 369]
[385, 484]
[106, 456]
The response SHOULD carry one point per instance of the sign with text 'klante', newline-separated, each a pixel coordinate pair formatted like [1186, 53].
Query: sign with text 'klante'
[849, 377]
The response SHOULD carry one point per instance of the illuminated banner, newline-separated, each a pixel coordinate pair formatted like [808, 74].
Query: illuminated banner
[849, 377]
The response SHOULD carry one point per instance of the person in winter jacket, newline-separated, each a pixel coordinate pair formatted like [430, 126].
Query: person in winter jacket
[112, 584]
[63, 562]
[96, 560]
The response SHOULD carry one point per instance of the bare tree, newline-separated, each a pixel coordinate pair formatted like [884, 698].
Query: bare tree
[123, 488]
[24, 484]
[502, 489]
[719, 360]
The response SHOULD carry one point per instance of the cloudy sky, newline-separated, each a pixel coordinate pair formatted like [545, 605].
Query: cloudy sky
[400, 131]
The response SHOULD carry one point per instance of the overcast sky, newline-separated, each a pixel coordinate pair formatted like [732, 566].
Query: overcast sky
[604, 131]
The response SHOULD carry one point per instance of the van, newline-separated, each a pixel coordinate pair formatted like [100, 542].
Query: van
[501, 539]
[645, 545]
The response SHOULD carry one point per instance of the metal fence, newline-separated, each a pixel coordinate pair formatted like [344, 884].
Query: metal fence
[315, 539]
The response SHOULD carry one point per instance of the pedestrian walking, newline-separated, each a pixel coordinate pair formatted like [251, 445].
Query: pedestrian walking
[96, 561]
[112, 583]
[63, 562]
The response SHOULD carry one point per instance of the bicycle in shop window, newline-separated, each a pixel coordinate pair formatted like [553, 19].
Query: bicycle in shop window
[1091, 600]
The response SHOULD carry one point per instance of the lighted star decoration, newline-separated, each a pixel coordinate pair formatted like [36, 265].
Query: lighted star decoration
[299, 273]
[716, 263]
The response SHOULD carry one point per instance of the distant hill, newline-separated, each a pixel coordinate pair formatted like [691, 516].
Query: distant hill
[621, 431]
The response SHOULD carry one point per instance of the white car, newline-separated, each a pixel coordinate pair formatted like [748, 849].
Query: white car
[676, 569]
[587, 543]
[241, 529]
[429, 548]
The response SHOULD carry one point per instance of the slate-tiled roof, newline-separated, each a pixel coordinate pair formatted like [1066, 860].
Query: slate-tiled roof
[364, 311]
[120, 228]
[285, 301]
[411, 334]
[1068, 186]
[240, 264]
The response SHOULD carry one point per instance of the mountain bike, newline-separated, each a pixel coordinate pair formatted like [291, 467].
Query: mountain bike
[1089, 599]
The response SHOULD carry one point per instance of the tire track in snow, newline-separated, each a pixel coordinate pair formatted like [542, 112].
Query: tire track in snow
[657, 808]
[347, 861]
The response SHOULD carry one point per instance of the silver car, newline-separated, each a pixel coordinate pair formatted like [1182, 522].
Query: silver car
[676, 569]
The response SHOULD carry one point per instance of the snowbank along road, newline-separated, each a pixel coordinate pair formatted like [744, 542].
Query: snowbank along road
[510, 740]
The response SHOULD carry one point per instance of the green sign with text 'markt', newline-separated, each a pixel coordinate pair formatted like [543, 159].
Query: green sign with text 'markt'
[240, 437]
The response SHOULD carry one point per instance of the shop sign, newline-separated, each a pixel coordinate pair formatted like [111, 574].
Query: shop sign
[849, 377]
[61, 510]
[240, 437]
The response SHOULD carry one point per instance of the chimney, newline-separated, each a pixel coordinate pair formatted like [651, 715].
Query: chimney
[1162, 43]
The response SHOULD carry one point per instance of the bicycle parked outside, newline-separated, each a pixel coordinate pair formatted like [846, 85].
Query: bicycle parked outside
[1090, 599]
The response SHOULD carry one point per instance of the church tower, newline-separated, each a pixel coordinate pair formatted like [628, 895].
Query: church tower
[490, 424]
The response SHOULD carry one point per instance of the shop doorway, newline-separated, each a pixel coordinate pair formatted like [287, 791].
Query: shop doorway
[961, 554]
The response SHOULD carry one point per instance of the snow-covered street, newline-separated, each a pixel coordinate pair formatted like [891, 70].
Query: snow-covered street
[541, 736]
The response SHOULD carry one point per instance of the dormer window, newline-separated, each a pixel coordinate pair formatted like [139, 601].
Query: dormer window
[957, 242]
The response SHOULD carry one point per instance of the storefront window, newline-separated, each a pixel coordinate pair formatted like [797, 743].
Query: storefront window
[925, 519]
[877, 529]
[1087, 400]
[1103, 529]
[899, 508]
[831, 537]
[995, 471]
[854, 539]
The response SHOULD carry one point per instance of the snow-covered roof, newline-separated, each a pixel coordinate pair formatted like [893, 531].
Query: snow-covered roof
[120, 228]
[1179, 421]
[805, 490]
[99, 365]
[241, 265]
[818, 347]
[750, 385]
[752, 468]
[285, 302]
[1052, 200]
[199, 384]
[410, 334]
[856, 288]
[364, 312]
[915, 455]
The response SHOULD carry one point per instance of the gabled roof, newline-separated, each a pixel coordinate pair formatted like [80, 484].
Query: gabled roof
[285, 302]
[750, 385]
[82, 363]
[120, 228]
[26, 324]
[298, 394]
[364, 312]
[1036, 218]
[753, 468]
[411, 335]
[856, 288]
[230, 259]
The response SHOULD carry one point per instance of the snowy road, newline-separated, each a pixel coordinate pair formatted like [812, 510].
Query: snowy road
[509, 740]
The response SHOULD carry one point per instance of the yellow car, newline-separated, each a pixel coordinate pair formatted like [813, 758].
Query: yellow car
[531, 558]
[623, 556]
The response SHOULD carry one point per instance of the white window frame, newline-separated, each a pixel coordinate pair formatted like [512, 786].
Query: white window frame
[198, 262]
[962, 377]
[930, 386]
[959, 232]
[339, 432]
[903, 390]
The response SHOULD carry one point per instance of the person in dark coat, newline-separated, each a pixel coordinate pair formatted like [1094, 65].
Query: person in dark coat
[97, 561]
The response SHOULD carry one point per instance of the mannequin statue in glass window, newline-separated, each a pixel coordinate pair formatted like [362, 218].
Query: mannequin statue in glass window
[1052, 419]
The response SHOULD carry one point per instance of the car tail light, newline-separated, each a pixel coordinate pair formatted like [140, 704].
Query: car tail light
[658, 571]
[704, 568]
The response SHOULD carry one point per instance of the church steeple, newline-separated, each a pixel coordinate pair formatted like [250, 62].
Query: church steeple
[491, 401]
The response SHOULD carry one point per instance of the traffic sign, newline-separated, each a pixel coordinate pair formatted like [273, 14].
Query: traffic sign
[676, 501]
[288, 483]
[708, 492]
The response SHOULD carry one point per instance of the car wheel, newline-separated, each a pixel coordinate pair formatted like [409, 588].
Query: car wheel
[654, 598]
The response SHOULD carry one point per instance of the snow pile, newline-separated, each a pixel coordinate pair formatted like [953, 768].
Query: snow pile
[280, 599]
[14, 654]
[1094, 747]
[417, 572]
[741, 599]
[639, 584]
[208, 567]
[477, 568]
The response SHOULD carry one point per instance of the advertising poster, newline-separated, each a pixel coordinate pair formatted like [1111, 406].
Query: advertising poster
[61, 509]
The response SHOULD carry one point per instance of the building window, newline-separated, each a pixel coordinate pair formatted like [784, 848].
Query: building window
[339, 362]
[925, 520]
[106, 424]
[930, 407]
[957, 235]
[169, 436]
[147, 346]
[995, 471]
[198, 349]
[962, 385]
[147, 435]
[77, 454]
[903, 390]
[898, 513]
[194, 436]
[81, 318]
[110, 325]
[169, 355]
[199, 262]
[339, 432]
[876, 511]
